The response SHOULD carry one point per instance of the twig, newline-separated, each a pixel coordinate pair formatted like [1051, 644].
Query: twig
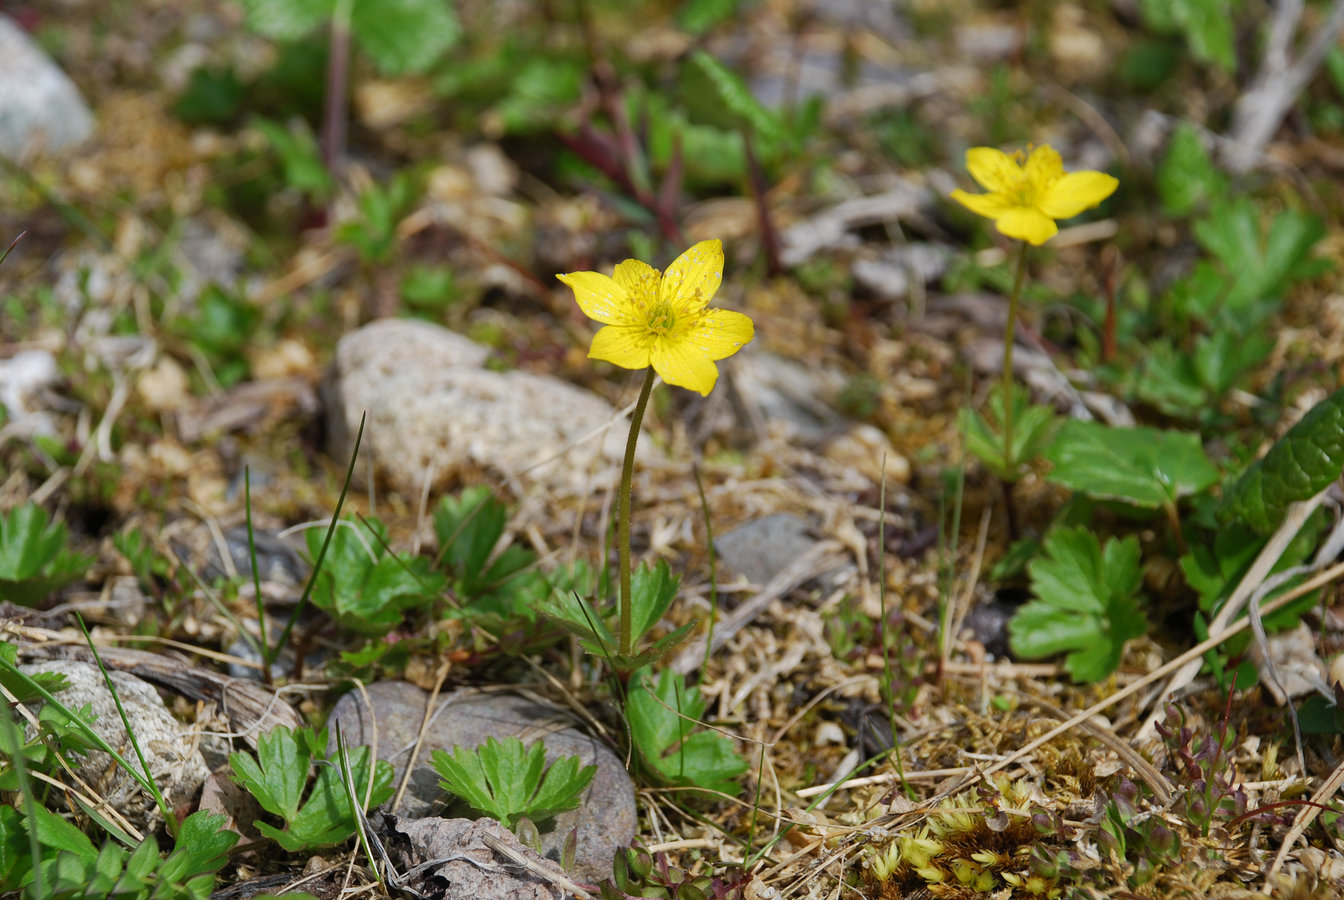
[1279, 81]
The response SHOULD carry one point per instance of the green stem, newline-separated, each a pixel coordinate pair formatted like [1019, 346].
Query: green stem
[624, 638]
[1009, 332]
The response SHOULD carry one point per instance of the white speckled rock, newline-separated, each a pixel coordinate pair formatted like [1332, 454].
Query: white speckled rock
[174, 761]
[432, 409]
[40, 107]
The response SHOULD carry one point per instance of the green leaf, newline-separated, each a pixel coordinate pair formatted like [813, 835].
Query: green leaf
[278, 776]
[33, 558]
[1257, 266]
[1085, 606]
[202, 847]
[20, 686]
[1142, 466]
[664, 730]
[469, 528]
[16, 857]
[651, 592]
[287, 20]
[1300, 465]
[736, 105]
[1033, 426]
[362, 586]
[404, 36]
[1207, 26]
[506, 781]
[1187, 177]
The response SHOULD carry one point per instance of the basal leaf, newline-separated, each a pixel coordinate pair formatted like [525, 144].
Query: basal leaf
[404, 36]
[287, 20]
[732, 97]
[671, 743]
[1187, 176]
[1142, 466]
[1299, 466]
[507, 781]
[1086, 603]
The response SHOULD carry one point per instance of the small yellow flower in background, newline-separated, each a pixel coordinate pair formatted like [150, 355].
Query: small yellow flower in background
[662, 319]
[1025, 199]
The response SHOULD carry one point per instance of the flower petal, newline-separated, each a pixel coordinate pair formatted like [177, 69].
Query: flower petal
[1026, 224]
[625, 346]
[993, 169]
[640, 281]
[991, 206]
[1043, 168]
[685, 365]
[1076, 192]
[690, 282]
[720, 333]
[599, 296]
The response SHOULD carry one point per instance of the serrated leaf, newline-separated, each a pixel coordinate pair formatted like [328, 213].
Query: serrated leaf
[1142, 466]
[1033, 426]
[662, 717]
[278, 776]
[652, 590]
[507, 781]
[34, 560]
[1187, 177]
[1086, 603]
[1258, 266]
[202, 847]
[287, 20]
[1300, 465]
[404, 36]
[362, 586]
[1207, 26]
[737, 105]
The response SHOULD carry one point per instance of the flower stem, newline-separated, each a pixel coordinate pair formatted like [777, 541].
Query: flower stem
[1009, 333]
[625, 639]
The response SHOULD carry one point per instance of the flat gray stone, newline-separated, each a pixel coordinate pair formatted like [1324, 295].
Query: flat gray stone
[434, 413]
[760, 550]
[605, 820]
[175, 764]
[40, 107]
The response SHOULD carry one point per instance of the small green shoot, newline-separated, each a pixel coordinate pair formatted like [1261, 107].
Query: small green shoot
[663, 720]
[278, 777]
[34, 560]
[1033, 427]
[1086, 603]
[506, 781]
[652, 590]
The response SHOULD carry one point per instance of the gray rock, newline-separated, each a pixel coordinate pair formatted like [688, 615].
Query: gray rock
[450, 859]
[789, 393]
[760, 550]
[40, 107]
[174, 762]
[433, 413]
[605, 820]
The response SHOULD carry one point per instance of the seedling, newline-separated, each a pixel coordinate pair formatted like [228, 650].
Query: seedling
[506, 781]
[278, 777]
[34, 559]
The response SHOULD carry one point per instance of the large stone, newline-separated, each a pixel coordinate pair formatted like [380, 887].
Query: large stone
[433, 413]
[40, 107]
[175, 764]
[606, 818]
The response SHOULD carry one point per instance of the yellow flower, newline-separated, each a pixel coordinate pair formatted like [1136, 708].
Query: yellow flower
[663, 320]
[1024, 200]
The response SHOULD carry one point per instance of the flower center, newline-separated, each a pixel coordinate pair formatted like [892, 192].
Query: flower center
[662, 318]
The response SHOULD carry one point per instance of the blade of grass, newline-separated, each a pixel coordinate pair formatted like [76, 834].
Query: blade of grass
[326, 542]
[267, 656]
[169, 817]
